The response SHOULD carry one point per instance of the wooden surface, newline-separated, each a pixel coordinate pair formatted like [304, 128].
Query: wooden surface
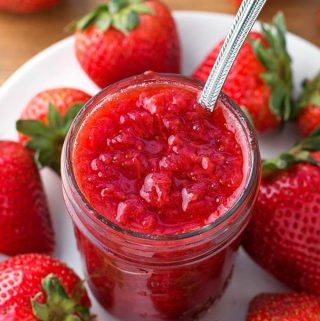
[22, 36]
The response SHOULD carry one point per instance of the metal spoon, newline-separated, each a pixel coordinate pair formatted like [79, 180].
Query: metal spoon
[244, 21]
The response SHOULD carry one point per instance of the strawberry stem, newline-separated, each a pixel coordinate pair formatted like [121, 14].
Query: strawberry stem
[310, 95]
[123, 15]
[47, 140]
[300, 152]
[277, 62]
[59, 306]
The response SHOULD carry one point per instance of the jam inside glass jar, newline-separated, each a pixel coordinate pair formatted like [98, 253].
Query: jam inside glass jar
[159, 190]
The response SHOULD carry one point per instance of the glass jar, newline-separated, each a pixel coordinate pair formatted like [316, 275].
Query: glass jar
[165, 277]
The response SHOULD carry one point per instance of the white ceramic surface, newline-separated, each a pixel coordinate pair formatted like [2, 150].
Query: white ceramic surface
[57, 66]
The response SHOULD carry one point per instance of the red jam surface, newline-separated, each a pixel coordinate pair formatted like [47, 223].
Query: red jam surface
[152, 160]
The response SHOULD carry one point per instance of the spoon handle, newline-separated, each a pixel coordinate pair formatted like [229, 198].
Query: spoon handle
[244, 21]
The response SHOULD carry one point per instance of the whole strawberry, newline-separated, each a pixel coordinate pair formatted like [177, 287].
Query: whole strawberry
[36, 287]
[261, 79]
[26, 6]
[308, 107]
[284, 307]
[123, 38]
[284, 233]
[25, 224]
[46, 120]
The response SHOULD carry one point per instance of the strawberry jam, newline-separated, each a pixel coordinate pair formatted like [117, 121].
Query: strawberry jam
[160, 190]
[154, 161]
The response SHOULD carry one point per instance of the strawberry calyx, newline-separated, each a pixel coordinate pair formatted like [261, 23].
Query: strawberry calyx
[277, 62]
[59, 306]
[310, 95]
[300, 152]
[123, 15]
[47, 139]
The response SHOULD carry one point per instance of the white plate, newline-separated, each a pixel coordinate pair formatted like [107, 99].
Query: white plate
[57, 66]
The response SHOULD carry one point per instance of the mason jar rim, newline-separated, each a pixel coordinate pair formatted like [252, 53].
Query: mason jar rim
[68, 176]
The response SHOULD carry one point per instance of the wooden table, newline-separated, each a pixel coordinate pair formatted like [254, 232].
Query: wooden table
[22, 36]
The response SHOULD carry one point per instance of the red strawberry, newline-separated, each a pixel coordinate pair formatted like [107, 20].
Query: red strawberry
[46, 120]
[35, 287]
[284, 234]
[26, 6]
[261, 78]
[127, 37]
[25, 224]
[309, 107]
[61, 98]
[284, 307]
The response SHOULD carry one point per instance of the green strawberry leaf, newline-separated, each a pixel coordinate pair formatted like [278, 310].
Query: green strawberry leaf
[286, 161]
[59, 305]
[282, 162]
[276, 100]
[310, 95]
[132, 20]
[280, 24]
[104, 22]
[37, 143]
[123, 15]
[33, 128]
[47, 140]
[288, 108]
[267, 33]
[312, 142]
[72, 318]
[300, 152]
[54, 118]
[277, 62]
[72, 112]
[50, 158]
[89, 19]
[116, 5]
[69, 117]
[119, 22]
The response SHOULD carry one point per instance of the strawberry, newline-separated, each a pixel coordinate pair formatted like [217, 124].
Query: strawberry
[308, 107]
[35, 287]
[123, 38]
[284, 307]
[26, 6]
[284, 233]
[261, 79]
[25, 224]
[46, 120]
